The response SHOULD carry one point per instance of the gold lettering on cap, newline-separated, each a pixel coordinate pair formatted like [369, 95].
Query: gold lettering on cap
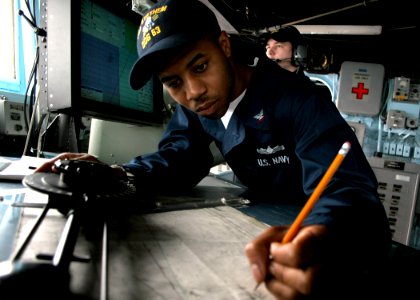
[155, 31]
[148, 36]
[155, 11]
[147, 28]
[146, 39]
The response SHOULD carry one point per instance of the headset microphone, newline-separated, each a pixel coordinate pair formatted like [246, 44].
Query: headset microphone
[280, 60]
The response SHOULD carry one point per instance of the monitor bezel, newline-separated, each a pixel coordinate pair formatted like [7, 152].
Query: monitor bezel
[64, 70]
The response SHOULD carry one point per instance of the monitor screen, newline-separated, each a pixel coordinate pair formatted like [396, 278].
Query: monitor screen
[91, 50]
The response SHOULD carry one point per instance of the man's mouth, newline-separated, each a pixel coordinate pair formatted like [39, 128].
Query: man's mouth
[205, 106]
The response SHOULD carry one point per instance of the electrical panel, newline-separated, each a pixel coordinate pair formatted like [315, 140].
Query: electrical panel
[360, 88]
[398, 190]
[12, 118]
[401, 122]
[414, 92]
[401, 88]
[403, 108]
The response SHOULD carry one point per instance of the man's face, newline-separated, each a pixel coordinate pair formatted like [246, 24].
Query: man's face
[201, 79]
[278, 50]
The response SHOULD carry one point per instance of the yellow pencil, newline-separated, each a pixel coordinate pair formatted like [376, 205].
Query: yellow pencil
[294, 228]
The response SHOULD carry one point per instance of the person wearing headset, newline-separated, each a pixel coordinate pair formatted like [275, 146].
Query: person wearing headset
[289, 49]
[286, 47]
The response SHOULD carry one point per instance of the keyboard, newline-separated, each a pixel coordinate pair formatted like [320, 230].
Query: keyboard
[17, 169]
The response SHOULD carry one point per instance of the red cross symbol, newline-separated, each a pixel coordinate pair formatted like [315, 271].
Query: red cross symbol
[360, 90]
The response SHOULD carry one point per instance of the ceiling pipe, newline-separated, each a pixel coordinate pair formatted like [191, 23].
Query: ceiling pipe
[364, 3]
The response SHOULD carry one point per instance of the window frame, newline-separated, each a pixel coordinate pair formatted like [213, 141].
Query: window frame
[25, 49]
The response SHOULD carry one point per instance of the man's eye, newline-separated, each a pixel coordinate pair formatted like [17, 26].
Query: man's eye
[200, 68]
[172, 84]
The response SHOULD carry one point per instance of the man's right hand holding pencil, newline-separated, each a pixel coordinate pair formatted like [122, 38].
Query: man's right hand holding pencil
[290, 270]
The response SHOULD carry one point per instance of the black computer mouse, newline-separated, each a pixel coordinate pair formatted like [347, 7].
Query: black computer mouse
[75, 180]
[86, 175]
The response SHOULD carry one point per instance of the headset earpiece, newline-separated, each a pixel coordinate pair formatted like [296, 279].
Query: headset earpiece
[300, 55]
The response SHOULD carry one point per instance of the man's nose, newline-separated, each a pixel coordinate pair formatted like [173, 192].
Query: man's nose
[195, 88]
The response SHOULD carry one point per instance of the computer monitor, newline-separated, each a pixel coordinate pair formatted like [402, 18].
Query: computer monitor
[91, 48]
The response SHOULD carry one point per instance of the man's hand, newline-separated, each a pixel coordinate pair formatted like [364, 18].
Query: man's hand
[49, 165]
[290, 270]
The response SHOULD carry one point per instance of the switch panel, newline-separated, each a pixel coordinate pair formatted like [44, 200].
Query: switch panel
[401, 88]
[398, 191]
[414, 92]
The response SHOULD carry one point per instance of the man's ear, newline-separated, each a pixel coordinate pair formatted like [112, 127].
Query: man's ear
[224, 43]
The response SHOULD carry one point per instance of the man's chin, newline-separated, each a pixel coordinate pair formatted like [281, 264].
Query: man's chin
[210, 113]
[213, 112]
[209, 116]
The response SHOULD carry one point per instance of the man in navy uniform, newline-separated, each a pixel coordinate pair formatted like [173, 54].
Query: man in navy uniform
[277, 137]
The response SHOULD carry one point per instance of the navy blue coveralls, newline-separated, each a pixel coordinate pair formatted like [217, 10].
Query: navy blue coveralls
[280, 141]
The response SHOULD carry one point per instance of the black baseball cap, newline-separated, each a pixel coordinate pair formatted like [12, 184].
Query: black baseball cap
[168, 25]
[284, 34]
